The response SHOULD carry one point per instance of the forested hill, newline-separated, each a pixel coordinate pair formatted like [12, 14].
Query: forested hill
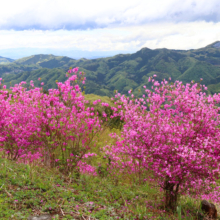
[121, 72]
[4, 60]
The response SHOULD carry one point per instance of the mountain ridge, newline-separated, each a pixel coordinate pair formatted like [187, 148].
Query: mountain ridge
[121, 72]
[5, 60]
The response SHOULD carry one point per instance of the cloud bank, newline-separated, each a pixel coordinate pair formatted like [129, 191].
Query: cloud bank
[107, 26]
[169, 35]
[86, 14]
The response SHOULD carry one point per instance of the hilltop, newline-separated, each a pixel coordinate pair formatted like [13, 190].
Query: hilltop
[5, 60]
[123, 71]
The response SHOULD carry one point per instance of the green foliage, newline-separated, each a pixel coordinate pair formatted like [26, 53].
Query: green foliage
[121, 72]
[4, 60]
[111, 123]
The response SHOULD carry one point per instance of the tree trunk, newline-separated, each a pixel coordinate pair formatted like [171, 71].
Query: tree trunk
[171, 195]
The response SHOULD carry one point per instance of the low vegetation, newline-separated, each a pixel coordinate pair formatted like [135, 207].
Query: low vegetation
[30, 190]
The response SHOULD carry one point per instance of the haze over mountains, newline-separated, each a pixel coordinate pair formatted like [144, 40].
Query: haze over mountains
[121, 72]
[5, 60]
[17, 53]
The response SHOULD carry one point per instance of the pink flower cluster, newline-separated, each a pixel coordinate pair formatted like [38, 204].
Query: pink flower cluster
[173, 133]
[35, 125]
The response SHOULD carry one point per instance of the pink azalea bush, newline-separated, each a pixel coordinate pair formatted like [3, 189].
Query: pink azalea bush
[57, 127]
[173, 134]
[17, 123]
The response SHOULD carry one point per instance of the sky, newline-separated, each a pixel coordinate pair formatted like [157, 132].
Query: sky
[96, 28]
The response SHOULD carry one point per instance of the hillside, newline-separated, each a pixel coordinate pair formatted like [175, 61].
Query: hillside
[5, 60]
[123, 71]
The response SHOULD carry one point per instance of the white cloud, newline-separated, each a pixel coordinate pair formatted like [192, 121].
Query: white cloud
[125, 25]
[87, 14]
[173, 36]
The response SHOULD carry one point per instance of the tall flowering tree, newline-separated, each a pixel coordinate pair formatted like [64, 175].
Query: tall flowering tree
[178, 139]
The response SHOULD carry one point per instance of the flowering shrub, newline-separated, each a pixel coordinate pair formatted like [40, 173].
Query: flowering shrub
[57, 126]
[177, 139]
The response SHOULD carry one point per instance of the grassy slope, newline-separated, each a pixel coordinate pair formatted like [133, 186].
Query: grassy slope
[32, 190]
[29, 191]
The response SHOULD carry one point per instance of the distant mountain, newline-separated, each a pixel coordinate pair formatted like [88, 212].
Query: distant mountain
[214, 45]
[123, 71]
[34, 59]
[17, 53]
[5, 60]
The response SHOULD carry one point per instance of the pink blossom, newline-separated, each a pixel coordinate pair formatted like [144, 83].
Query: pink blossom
[176, 153]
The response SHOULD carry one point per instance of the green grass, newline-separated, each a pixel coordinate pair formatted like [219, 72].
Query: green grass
[26, 191]
[33, 189]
